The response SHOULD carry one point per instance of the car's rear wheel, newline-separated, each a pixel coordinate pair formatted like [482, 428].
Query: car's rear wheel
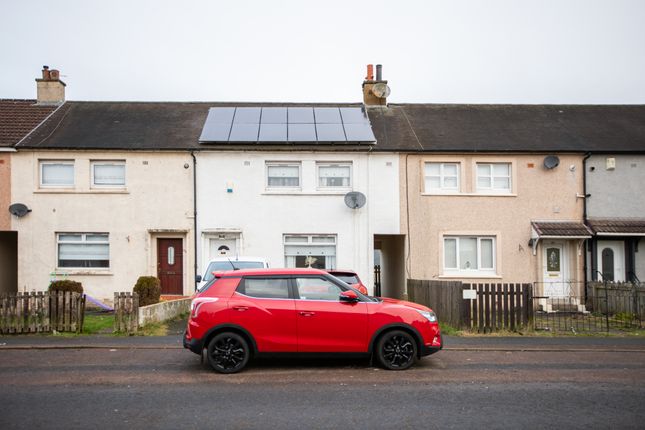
[228, 352]
[396, 350]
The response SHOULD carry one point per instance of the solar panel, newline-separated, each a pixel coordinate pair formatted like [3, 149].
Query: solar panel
[330, 133]
[302, 133]
[327, 116]
[273, 132]
[250, 124]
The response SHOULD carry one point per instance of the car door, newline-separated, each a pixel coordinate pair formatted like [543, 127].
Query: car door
[324, 323]
[266, 309]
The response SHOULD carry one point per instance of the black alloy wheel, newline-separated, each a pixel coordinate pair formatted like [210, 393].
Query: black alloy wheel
[396, 350]
[228, 352]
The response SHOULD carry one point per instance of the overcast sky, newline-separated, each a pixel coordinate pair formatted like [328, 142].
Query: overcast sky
[432, 51]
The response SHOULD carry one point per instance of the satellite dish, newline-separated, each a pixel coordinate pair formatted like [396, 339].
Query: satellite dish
[19, 210]
[551, 161]
[381, 90]
[355, 200]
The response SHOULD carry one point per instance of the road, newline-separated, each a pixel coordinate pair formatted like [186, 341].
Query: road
[489, 383]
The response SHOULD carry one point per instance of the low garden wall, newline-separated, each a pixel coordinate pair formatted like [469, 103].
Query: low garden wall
[163, 311]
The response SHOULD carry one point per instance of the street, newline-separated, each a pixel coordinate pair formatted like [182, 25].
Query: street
[483, 383]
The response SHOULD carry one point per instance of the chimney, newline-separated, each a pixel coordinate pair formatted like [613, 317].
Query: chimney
[375, 91]
[50, 89]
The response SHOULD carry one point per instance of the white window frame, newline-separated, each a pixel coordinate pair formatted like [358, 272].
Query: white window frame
[492, 189]
[320, 164]
[308, 240]
[95, 163]
[442, 176]
[82, 241]
[469, 272]
[42, 163]
[268, 164]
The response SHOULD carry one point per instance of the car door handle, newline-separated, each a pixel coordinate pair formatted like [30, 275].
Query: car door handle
[307, 313]
[240, 308]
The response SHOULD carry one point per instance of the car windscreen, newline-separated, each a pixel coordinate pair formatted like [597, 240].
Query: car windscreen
[350, 279]
[220, 266]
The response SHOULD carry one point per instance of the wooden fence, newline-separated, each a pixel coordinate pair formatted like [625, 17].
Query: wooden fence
[126, 312]
[485, 308]
[42, 311]
[443, 297]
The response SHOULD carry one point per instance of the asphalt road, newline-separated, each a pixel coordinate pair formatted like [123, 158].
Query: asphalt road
[490, 383]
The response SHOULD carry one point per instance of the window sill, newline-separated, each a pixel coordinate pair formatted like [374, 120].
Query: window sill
[471, 194]
[469, 276]
[69, 191]
[79, 272]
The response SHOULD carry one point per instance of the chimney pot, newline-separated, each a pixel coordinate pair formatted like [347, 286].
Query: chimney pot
[46, 72]
[379, 72]
[370, 72]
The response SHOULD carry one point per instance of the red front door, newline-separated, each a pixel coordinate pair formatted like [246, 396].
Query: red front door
[170, 265]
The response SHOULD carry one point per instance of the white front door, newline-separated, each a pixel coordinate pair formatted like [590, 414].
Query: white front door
[611, 260]
[555, 269]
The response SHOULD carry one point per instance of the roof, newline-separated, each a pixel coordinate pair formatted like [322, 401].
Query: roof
[560, 229]
[510, 128]
[19, 117]
[616, 226]
[398, 128]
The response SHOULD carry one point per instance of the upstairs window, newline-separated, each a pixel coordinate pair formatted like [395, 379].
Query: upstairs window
[57, 174]
[441, 177]
[108, 174]
[83, 250]
[494, 178]
[283, 175]
[334, 175]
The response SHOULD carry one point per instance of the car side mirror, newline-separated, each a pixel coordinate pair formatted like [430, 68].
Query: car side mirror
[198, 278]
[348, 296]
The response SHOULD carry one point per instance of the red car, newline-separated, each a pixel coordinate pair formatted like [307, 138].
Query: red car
[245, 313]
[349, 277]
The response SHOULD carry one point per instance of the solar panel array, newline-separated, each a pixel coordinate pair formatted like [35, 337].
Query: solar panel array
[287, 125]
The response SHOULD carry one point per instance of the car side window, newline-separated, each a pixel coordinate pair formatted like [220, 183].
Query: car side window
[265, 288]
[317, 289]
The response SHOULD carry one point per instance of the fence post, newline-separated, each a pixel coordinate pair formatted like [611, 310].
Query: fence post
[529, 305]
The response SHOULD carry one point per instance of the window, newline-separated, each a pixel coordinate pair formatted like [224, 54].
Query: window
[336, 175]
[271, 288]
[283, 175]
[315, 251]
[57, 173]
[494, 177]
[317, 289]
[83, 250]
[463, 254]
[108, 174]
[441, 177]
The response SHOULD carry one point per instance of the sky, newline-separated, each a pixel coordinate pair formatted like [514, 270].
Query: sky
[432, 51]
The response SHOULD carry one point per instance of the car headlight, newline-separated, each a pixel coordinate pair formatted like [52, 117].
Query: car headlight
[429, 315]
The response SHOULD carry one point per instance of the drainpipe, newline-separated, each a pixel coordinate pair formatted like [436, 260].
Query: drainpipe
[584, 218]
[192, 154]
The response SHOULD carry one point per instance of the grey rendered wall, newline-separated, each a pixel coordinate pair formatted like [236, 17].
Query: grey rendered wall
[618, 193]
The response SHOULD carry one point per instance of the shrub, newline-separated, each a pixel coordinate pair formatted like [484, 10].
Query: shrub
[149, 290]
[66, 285]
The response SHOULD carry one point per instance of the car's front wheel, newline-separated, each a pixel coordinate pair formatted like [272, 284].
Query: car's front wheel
[228, 352]
[396, 350]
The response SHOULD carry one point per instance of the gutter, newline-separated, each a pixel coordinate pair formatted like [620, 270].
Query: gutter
[192, 154]
[10, 149]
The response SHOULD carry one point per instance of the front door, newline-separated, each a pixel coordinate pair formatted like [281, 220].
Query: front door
[611, 260]
[170, 265]
[554, 273]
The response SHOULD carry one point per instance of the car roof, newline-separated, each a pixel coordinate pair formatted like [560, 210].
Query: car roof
[239, 258]
[271, 272]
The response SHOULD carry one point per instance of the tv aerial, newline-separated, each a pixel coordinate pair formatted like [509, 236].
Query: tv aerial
[355, 200]
[19, 210]
[381, 90]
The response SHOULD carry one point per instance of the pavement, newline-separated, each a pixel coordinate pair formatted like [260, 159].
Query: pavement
[451, 343]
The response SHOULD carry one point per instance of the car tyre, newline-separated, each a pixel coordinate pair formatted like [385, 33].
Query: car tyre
[228, 352]
[396, 350]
